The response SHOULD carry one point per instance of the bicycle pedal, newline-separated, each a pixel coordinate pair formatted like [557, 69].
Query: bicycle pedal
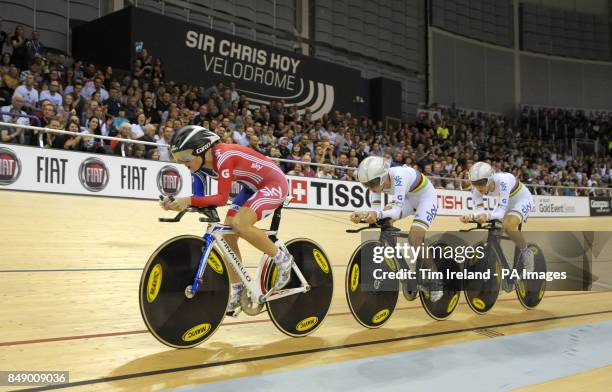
[507, 286]
[248, 306]
[234, 313]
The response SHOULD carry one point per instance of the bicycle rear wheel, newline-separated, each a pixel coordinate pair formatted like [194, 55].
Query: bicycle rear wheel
[301, 314]
[531, 291]
[445, 306]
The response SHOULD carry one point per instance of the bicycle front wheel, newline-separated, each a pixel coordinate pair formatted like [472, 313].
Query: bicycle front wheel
[170, 315]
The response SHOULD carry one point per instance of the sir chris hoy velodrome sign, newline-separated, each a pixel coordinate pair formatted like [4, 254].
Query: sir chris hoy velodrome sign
[245, 63]
[196, 55]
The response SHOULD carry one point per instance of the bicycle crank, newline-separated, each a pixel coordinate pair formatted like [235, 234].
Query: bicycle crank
[248, 305]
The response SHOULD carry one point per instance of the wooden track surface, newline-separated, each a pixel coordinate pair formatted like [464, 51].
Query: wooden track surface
[70, 301]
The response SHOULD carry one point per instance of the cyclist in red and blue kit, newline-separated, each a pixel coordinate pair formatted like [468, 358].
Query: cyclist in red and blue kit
[264, 188]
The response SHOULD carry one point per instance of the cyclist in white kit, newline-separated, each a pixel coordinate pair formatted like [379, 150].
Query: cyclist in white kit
[412, 194]
[515, 202]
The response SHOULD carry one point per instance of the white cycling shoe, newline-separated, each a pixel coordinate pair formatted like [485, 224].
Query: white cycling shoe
[436, 290]
[233, 306]
[284, 262]
[528, 261]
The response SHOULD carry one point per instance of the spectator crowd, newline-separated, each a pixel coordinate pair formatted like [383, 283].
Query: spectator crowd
[142, 104]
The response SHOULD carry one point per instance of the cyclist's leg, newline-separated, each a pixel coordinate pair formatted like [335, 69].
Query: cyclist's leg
[243, 224]
[261, 204]
[518, 212]
[426, 202]
[511, 223]
[232, 239]
[425, 212]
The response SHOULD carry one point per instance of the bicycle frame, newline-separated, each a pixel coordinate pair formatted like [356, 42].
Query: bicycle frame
[214, 236]
[494, 244]
[388, 236]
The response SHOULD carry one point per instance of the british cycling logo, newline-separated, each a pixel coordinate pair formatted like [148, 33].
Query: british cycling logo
[397, 181]
[10, 166]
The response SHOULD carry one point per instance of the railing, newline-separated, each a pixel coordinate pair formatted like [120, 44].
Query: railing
[63, 132]
[30, 117]
[431, 177]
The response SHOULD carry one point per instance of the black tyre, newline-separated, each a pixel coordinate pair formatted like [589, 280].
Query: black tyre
[482, 293]
[445, 306]
[173, 318]
[371, 302]
[301, 314]
[531, 291]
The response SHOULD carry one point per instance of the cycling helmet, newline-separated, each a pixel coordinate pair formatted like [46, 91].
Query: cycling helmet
[481, 173]
[192, 141]
[373, 171]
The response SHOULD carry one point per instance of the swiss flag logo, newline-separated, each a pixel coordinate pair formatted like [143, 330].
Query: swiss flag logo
[299, 191]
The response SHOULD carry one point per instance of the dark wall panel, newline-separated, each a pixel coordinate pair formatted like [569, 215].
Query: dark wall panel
[470, 74]
[534, 81]
[564, 32]
[500, 80]
[565, 84]
[485, 20]
[597, 86]
[444, 69]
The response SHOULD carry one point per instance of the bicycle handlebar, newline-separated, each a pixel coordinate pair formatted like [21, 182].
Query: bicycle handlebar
[383, 224]
[210, 213]
[490, 225]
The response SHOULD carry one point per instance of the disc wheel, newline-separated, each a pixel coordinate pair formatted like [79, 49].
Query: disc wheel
[301, 314]
[371, 301]
[482, 293]
[170, 315]
[445, 306]
[531, 291]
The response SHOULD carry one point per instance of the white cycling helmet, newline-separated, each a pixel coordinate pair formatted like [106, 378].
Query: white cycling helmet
[373, 171]
[481, 173]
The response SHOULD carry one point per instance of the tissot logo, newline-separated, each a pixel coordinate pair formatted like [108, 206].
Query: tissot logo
[299, 191]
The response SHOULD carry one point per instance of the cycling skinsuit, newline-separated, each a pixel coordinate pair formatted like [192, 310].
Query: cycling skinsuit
[412, 194]
[264, 185]
[514, 198]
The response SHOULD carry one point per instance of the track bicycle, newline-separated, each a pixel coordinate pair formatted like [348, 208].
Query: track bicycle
[372, 299]
[184, 288]
[482, 293]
